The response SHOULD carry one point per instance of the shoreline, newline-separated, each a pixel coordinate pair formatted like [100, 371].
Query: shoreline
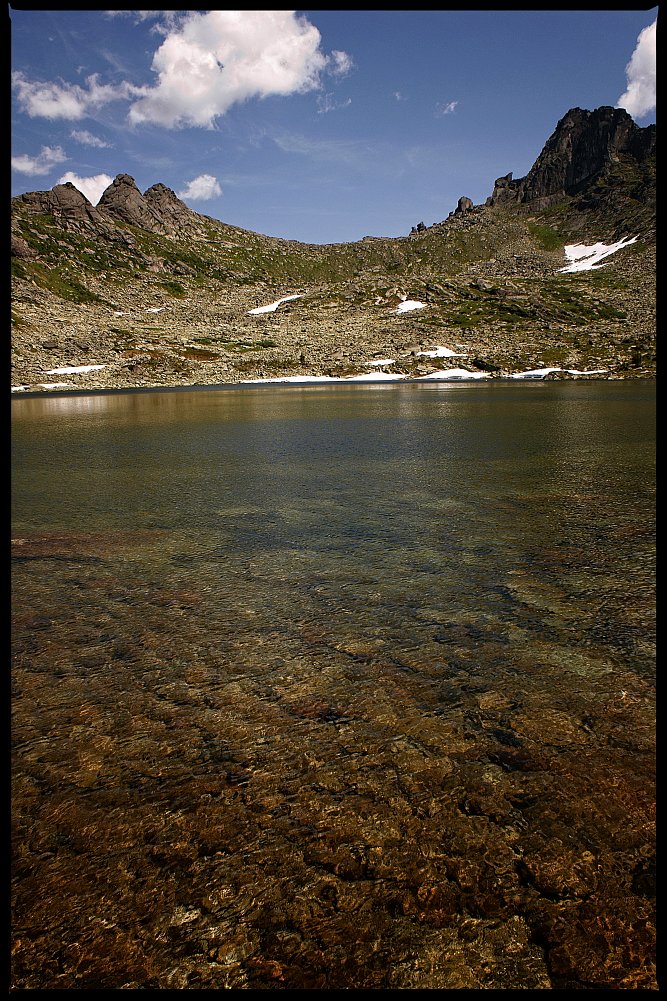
[555, 375]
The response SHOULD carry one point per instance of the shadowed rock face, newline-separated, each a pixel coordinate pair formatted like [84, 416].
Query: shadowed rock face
[582, 146]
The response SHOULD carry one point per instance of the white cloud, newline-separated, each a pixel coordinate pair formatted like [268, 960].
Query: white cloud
[48, 100]
[65, 100]
[92, 187]
[207, 62]
[339, 63]
[200, 188]
[220, 58]
[88, 139]
[639, 97]
[446, 109]
[47, 157]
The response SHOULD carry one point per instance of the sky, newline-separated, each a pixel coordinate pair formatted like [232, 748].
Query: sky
[317, 126]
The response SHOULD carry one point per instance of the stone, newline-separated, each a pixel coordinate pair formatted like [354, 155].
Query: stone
[464, 205]
[122, 198]
[21, 249]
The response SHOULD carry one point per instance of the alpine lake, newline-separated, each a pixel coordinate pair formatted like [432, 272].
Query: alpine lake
[334, 686]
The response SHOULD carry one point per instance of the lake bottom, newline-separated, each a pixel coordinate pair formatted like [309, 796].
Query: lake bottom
[354, 710]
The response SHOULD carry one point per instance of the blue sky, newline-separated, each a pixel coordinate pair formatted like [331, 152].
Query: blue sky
[319, 126]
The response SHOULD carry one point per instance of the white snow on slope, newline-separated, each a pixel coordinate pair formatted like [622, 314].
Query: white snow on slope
[540, 373]
[453, 373]
[441, 352]
[408, 305]
[273, 305]
[585, 258]
[74, 369]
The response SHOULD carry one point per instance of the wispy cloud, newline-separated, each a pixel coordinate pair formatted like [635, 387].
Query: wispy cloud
[66, 100]
[326, 103]
[639, 97]
[165, 18]
[348, 151]
[447, 108]
[201, 188]
[88, 139]
[45, 160]
[398, 96]
[92, 187]
[339, 63]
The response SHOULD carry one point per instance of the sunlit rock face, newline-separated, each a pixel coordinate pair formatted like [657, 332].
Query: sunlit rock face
[65, 203]
[123, 199]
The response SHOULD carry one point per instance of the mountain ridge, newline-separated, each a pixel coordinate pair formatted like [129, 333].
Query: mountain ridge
[489, 277]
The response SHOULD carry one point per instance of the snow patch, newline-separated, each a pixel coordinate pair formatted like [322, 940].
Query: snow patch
[374, 377]
[271, 308]
[74, 369]
[540, 373]
[408, 305]
[585, 258]
[453, 373]
[441, 352]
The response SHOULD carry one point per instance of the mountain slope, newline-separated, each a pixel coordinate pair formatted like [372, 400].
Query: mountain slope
[160, 295]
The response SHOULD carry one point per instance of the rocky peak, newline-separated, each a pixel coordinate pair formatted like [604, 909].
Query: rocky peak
[464, 205]
[582, 146]
[158, 210]
[174, 215]
[65, 203]
[123, 199]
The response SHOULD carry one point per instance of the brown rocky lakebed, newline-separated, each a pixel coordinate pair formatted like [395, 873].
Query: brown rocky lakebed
[243, 762]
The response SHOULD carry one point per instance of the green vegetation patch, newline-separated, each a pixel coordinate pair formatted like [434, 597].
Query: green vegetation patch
[173, 288]
[56, 280]
[547, 237]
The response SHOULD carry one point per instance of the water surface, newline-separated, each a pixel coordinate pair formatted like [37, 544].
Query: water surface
[334, 687]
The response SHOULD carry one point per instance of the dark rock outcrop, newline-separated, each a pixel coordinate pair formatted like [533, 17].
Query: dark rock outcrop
[583, 146]
[504, 190]
[464, 205]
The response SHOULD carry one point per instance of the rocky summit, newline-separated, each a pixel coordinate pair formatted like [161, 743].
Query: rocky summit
[141, 291]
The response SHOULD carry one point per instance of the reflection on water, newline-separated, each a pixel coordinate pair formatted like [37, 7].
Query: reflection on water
[334, 687]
